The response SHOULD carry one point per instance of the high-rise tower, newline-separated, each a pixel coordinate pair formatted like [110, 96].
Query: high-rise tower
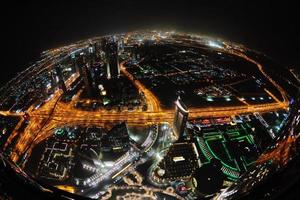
[60, 80]
[180, 118]
[112, 61]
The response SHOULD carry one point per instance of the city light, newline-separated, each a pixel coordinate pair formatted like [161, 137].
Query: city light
[125, 108]
[214, 44]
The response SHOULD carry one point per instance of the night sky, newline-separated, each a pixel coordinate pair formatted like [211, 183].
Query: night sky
[29, 28]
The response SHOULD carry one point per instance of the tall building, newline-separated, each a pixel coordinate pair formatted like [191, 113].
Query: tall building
[87, 79]
[75, 62]
[60, 79]
[91, 48]
[92, 53]
[135, 52]
[53, 78]
[112, 61]
[180, 118]
[83, 67]
[121, 45]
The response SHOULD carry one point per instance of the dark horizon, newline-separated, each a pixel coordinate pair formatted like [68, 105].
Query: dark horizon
[30, 28]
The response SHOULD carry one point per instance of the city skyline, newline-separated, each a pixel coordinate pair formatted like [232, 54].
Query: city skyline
[150, 100]
[166, 107]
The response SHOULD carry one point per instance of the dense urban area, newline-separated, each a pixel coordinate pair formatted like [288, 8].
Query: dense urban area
[150, 115]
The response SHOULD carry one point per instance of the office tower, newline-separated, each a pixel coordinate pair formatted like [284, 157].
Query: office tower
[87, 79]
[83, 67]
[60, 79]
[112, 61]
[121, 44]
[180, 118]
[135, 52]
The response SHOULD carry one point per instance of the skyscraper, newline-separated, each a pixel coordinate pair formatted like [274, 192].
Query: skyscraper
[60, 80]
[121, 44]
[135, 52]
[75, 62]
[112, 61]
[180, 118]
[92, 53]
[84, 69]
[87, 79]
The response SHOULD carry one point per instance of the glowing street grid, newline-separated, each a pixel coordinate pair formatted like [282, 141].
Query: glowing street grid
[138, 115]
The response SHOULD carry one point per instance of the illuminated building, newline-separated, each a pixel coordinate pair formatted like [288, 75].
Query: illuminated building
[83, 67]
[121, 44]
[121, 131]
[135, 52]
[180, 118]
[92, 53]
[112, 61]
[88, 82]
[75, 65]
[60, 80]
[91, 48]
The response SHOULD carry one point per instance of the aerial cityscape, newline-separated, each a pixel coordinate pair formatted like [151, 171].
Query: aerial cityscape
[150, 115]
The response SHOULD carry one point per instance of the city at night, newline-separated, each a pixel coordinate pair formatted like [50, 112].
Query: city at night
[154, 100]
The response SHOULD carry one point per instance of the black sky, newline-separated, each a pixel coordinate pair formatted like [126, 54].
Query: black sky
[29, 28]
